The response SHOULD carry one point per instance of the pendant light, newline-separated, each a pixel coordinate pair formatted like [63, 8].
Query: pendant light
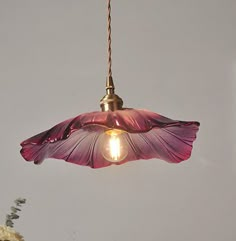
[114, 135]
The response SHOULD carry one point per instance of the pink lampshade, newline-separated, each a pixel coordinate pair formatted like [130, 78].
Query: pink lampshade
[146, 134]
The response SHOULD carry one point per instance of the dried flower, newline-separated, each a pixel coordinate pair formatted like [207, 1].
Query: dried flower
[9, 234]
[10, 217]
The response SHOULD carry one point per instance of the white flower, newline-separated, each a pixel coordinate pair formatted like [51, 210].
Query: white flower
[9, 234]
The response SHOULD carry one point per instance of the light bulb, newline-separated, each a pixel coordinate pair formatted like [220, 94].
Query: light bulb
[114, 147]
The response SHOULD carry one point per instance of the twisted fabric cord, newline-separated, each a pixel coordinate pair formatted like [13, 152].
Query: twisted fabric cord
[109, 37]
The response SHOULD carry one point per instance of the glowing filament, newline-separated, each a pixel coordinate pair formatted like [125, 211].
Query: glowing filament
[114, 145]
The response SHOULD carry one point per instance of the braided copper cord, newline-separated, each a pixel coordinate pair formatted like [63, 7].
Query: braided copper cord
[109, 37]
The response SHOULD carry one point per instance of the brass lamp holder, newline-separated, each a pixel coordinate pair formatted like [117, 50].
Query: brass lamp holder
[111, 101]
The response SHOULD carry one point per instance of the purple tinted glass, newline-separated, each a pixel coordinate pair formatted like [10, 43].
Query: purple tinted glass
[148, 135]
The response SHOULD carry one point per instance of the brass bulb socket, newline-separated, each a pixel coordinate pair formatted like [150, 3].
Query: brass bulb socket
[111, 102]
